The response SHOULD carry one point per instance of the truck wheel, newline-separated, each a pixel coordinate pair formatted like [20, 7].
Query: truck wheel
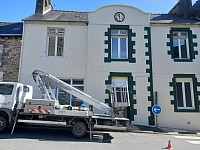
[3, 124]
[79, 129]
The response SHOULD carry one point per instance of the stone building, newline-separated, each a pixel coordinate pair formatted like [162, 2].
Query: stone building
[10, 48]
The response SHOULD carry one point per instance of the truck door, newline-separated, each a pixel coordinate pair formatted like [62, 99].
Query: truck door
[17, 97]
[6, 95]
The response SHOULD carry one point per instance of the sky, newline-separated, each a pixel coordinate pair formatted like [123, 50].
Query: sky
[16, 10]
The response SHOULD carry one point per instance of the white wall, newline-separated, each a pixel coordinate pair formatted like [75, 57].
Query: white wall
[163, 69]
[98, 70]
[34, 52]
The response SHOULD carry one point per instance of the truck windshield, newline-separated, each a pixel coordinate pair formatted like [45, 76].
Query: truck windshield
[6, 89]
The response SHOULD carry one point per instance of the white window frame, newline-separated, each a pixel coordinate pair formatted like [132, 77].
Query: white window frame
[183, 80]
[179, 38]
[56, 34]
[119, 36]
[119, 87]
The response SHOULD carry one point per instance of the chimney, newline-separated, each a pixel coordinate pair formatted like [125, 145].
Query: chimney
[43, 6]
[183, 9]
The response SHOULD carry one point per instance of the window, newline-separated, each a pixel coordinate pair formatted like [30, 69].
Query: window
[6, 89]
[1, 53]
[119, 91]
[184, 93]
[119, 44]
[26, 89]
[55, 42]
[180, 45]
[68, 99]
[122, 80]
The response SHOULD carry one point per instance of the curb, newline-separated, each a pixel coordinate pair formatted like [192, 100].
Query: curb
[160, 130]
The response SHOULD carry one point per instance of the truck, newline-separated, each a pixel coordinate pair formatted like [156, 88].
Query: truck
[17, 105]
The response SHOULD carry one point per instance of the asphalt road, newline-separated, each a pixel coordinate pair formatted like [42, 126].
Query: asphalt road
[31, 138]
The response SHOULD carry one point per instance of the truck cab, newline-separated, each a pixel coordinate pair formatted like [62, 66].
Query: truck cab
[12, 93]
[12, 96]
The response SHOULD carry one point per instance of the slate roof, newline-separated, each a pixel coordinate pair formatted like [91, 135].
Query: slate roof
[72, 16]
[60, 16]
[11, 29]
[197, 5]
[172, 19]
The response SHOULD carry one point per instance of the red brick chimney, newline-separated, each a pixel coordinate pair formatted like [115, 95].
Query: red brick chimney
[43, 6]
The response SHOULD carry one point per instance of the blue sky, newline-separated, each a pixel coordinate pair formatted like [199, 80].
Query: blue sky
[16, 10]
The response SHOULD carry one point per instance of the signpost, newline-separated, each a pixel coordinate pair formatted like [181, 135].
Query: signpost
[156, 109]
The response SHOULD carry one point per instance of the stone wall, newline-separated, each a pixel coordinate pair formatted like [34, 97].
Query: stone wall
[10, 58]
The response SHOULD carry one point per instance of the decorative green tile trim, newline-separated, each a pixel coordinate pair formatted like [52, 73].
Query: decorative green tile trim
[196, 93]
[151, 118]
[131, 43]
[131, 111]
[172, 102]
[192, 44]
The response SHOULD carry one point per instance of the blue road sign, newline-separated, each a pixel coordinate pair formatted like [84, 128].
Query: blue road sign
[156, 109]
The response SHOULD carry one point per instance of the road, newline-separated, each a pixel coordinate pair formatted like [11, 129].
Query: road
[29, 138]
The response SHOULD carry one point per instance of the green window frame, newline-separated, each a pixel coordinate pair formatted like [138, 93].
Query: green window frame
[120, 44]
[181, 45]
[131, 112]
[185, 93]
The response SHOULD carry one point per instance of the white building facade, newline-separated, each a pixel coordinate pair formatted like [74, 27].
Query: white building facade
[156, 55]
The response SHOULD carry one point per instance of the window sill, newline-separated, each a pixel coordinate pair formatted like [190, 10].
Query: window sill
[182, 60]
[54, 56]
[186, 110]
[119, 59]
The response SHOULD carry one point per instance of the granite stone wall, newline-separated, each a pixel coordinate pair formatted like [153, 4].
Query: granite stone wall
[10, 58]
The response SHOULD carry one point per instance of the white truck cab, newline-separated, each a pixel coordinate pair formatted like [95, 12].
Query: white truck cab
[12, 93]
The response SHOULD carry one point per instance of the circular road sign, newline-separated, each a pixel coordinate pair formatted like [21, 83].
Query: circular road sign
[156, 109]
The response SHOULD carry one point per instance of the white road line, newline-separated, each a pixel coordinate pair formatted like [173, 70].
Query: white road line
[194, 142]
[188, 137]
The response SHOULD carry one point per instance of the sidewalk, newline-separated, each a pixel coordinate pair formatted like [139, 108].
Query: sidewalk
[159, 130]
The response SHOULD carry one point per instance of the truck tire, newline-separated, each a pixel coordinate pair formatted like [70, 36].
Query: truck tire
[79, 129]
[3, 124]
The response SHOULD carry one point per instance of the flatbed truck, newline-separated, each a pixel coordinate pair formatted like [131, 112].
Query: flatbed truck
[18, 106]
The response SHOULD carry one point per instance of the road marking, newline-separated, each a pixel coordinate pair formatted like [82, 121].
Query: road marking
[190, 139]
[194, 142]
[187, 137]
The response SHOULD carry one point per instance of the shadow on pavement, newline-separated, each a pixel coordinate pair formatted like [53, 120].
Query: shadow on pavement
[54, 134]
[147, 128]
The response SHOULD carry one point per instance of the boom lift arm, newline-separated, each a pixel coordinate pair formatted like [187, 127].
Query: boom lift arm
[44, 80]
